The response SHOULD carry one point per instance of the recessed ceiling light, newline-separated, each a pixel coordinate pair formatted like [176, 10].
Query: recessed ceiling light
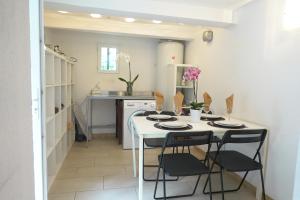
[95, 15]
[156, 21]
[129, 19]
[63, 11]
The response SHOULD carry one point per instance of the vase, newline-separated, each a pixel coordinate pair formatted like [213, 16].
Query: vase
[195, 115]
[129, 90]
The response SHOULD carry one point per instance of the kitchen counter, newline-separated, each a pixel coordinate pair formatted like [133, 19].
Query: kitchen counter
[121, 95]
[118, 97]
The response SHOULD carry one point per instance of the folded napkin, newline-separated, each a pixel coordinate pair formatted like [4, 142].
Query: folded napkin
[229, 104]
[207, 101]
[178, 100]
[159, 98]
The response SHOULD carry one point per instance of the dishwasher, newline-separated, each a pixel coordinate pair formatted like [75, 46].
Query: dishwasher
[130, 106]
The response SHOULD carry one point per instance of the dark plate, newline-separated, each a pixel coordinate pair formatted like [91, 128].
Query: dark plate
[173, 129]
[162, 120]
[228, 127]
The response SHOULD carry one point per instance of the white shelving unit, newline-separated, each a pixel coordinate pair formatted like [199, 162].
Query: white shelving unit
[60, 135]
[176, 72]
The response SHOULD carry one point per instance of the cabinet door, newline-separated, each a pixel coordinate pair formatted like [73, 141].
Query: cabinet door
[119, 120]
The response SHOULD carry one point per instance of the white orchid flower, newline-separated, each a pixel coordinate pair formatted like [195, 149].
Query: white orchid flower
[124, 56]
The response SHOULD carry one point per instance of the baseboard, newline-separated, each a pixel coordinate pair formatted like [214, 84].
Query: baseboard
[236, 176]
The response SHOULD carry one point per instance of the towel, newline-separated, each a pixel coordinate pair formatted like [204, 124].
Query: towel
[229, 104]
[207, 101]
[159, 98]
[178, 100]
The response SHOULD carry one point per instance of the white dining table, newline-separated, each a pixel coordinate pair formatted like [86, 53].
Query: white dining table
[144, 128]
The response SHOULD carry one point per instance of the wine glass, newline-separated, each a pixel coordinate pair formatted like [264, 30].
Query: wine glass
[178, 110]
[206, 110]
[159, 108]
[228, 113]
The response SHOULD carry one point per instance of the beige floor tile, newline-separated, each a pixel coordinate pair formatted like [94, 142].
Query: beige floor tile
[120, 181]
[113, 160]
[104, 170]
[124, 194]
[66, 196]
[67, 173]
[75, 163]
[75, 185]
[101, 169]
[173, 188]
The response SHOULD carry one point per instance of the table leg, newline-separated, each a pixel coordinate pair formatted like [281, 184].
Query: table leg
[141, 182]
[133, 149]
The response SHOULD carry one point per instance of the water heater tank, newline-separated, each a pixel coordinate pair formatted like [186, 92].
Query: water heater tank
[168, 52]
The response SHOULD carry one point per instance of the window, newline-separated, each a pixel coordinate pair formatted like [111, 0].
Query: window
[107, 59]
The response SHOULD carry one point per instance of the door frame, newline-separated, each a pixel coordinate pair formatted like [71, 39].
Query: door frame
[36, 57]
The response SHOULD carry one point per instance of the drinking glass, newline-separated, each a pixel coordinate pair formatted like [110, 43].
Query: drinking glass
[228, 114]
[159, 108]
[178, 111]
[206, 111]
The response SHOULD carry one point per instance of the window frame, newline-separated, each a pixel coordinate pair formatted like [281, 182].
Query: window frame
[99, 69]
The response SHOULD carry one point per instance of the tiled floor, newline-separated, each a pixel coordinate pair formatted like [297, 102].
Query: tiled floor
[102, 170]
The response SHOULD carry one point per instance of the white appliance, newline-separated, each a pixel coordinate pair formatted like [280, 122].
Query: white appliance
[130, 106]
[168, 52]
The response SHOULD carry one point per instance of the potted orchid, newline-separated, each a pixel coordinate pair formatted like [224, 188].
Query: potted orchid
[192, 74]
[129, 82]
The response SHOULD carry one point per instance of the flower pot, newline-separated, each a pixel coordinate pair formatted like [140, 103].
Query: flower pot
[195, 115]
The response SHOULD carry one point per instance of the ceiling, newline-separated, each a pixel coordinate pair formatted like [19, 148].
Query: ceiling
[173, 13]
[225, 4]
[196, 12]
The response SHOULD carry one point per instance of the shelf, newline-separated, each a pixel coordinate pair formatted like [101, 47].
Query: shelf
[184, 86]
[181, 65]
[50, 51]
[59, 85]
[58, 88]
[56, 142]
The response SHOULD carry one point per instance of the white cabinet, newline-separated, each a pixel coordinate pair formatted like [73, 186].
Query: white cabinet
[57, 87]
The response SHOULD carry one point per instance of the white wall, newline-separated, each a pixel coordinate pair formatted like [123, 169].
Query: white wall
[83, 46]
[258, 60]
[16, 149]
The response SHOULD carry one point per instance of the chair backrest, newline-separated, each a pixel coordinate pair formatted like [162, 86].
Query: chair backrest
[188, 138]
[244, 136]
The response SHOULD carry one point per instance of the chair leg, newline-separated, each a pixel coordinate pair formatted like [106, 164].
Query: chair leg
[164, 184]
[262, 184]
[225, 191]
[222, 184]
[177, 196]
[156, 182]
[211, 168]
[209, 179]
